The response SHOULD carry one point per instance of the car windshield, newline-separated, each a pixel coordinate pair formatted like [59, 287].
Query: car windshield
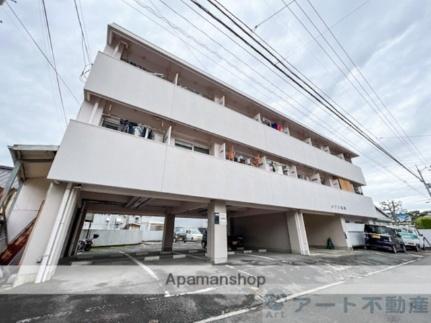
[195, 231]
[180, 230]
[376, 229]
[408, 235]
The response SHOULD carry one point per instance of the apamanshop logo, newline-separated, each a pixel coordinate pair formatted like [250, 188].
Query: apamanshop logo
[215, 280]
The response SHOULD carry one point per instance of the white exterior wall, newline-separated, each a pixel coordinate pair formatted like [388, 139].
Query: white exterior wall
[267, 231]
[113, 237]
[29, 200]
[125, 83]
[38, 240]
[143, 164]
[320, 227]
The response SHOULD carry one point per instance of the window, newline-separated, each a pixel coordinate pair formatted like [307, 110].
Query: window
[202, 150]
[183, 144]
[156, 227]
[191, 146]
[111, 124]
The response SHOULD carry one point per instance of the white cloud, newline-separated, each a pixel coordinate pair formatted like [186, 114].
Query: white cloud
[387, 39]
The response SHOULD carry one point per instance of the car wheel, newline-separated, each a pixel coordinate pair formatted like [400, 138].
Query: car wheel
[394, 249]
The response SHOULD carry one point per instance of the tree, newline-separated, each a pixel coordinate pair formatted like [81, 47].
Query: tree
[392, 208]
[414, 215]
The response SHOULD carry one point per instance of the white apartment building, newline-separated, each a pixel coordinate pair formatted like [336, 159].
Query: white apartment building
[156, 136]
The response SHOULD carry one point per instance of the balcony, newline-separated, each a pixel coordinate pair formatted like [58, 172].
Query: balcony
[136, 163]
[129, 85]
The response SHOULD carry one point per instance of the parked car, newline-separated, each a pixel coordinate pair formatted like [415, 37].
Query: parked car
[180, 234]
[423, 241]
[233, 242]
[382, 237]
[411, 240]
[193, 234]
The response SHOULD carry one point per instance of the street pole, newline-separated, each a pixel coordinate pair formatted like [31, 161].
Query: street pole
[427, 185]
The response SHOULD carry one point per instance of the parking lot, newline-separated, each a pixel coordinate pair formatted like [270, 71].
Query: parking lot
[127, 284]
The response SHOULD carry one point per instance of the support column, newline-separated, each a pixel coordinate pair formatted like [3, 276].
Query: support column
[168, 232]
[217, 232]
[48, 235]
[57, 239]
[297, 233]
[348, 244]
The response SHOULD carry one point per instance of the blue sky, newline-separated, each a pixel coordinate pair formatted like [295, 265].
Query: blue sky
[388, 41]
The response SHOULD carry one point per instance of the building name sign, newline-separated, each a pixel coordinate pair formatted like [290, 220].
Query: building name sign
[338, 207]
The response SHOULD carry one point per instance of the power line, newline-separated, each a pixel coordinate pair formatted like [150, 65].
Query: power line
[333, 61]
[327, 97]
[409, 136]
[42, 52]
[181, 32]
[83, 40]
[273, 15]
[403, 137]
[314, 94]
[296, 79]
[53, 61]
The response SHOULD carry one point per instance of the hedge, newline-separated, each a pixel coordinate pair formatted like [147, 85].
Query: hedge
[423, 222]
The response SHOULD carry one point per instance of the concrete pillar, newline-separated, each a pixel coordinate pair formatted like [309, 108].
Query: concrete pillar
[343, 226]
[297, 233]
[37, 243]
[217, 232]
[168, 232]
[59, 231]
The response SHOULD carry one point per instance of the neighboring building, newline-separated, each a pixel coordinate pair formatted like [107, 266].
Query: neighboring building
[5, 172]
[155, 135]
[151, 228]
[8, 191]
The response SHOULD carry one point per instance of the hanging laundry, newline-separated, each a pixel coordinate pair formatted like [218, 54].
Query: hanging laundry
[137, 131]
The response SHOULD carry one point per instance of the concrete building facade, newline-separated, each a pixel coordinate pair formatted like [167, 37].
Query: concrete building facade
[156, 136]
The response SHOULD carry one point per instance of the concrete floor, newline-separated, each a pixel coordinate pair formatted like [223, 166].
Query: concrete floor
[127, 286]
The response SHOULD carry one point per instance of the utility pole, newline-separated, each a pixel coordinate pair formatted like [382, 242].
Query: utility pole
[427, 185]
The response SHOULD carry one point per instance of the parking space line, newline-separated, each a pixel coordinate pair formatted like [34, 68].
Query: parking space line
[287, 298]
[238, 270]
[151, 258]
[140, 264]
[389, 268]
[204, 290]
[192, 256]
[263, 257]
[80, 263]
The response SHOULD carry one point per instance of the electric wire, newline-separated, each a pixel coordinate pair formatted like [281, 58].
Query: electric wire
[84, 44]
[35, 43]
[53, 61]
[397, 127]
[296, 80]
[364, 94]
[197, 28]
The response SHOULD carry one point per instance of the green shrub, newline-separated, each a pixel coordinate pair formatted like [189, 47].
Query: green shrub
[423, 222]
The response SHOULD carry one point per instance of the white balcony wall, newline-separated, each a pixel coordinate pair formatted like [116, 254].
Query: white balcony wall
[122, 82]
[136, 163]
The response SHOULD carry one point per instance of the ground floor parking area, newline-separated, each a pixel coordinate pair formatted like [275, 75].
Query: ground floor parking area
[126, 284]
